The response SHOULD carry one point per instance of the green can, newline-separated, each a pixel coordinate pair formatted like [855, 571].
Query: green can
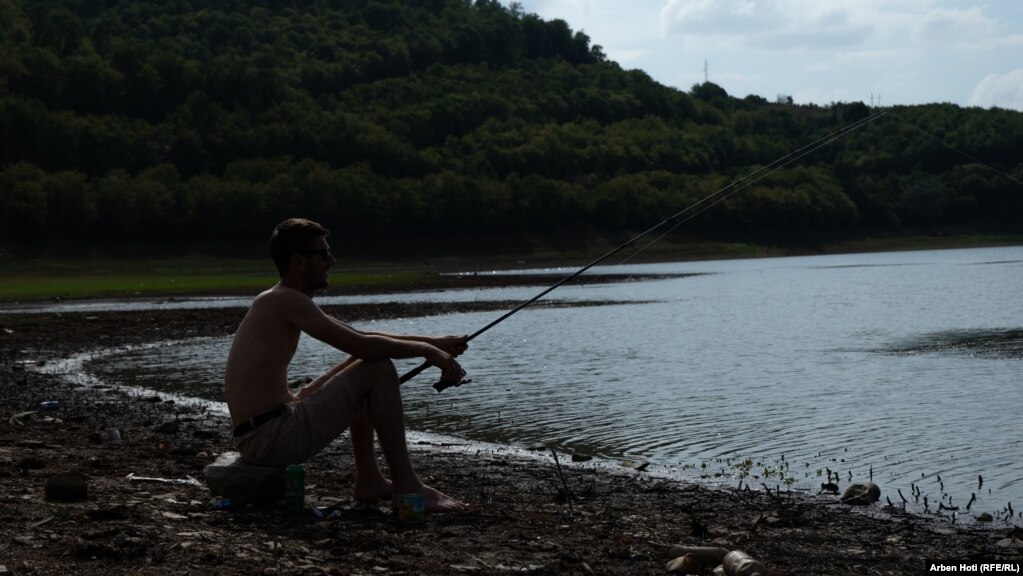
[294, 489]
[411, 509]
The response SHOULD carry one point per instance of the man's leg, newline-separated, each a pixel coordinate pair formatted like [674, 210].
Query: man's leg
[370, 483]
[377, 382]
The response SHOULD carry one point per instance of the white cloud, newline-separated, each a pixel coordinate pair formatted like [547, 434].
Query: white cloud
[771, 24]
[993, 43]
[873, 58]
[911, 51]
[1002, 90]
[955, 27]
[626, 56]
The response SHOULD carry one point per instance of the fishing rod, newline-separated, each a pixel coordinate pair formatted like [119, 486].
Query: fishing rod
[720, 196]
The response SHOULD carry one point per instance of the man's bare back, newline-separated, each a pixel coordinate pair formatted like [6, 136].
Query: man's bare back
[257, 366]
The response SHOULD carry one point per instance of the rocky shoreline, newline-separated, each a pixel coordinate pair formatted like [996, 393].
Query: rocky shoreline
[537, 515]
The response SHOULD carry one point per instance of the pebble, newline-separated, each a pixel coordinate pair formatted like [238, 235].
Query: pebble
[694, 559]
[1011, 543]
[171, 427]
[67, 487]
[32, 463]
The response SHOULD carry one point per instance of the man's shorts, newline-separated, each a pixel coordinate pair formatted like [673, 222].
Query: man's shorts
[307, 427]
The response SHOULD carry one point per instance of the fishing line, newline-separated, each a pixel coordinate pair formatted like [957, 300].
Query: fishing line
[720, 196]
[772, 168]
[956, 150]
[822, 142]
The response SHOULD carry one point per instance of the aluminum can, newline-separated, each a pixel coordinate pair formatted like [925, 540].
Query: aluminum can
[411, 509]
[48, 405]
[294, 489]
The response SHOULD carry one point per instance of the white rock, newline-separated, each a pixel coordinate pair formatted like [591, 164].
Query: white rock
[229, 476]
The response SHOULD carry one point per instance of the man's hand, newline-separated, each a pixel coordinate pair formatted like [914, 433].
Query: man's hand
[453, 345]
[450, 371]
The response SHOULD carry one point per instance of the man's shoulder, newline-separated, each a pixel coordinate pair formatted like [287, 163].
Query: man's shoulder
[282, 298]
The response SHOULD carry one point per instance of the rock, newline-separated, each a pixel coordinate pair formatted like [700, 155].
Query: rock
[1010, 543]
[861, 494]
[171, 427]
[230, 477]
[712, 554]
[32, 463]
[205, 434]
[117, 513]
[694, 559]
[67, 487]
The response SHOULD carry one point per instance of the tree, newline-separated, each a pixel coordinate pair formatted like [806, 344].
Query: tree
[155, 117]
[23, 197]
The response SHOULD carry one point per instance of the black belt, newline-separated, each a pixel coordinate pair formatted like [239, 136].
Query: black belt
[257, 421]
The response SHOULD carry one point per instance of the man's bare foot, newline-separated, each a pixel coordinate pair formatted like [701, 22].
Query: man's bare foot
[371, 491]
[438, 502]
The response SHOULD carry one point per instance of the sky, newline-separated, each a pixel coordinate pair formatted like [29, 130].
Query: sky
[879, 52]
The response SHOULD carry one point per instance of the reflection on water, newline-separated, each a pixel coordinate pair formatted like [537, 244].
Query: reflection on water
[903, 366]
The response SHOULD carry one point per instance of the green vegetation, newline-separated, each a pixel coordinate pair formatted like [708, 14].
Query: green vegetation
[195, 120]
[109, 285]
[77, 278]
[29, 278]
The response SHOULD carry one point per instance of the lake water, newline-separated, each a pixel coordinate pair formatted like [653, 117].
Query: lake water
[904, 367]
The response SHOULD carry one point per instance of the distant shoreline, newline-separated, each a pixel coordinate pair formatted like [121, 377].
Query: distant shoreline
[30, 276]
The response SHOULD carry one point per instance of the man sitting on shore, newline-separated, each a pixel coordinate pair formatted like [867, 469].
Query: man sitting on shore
[274, 427]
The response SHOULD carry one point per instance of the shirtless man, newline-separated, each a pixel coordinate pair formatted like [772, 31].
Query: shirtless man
[274, 427]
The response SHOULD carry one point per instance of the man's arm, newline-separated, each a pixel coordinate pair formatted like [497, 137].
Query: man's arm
[303, 313]
[454, 345]
[319, 381]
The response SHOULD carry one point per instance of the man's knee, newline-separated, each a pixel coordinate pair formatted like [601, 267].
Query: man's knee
[372, 371]
[383, 368]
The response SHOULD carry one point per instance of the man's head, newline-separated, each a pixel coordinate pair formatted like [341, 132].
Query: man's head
[302, 243]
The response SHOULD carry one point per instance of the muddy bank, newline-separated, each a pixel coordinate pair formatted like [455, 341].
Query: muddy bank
[531, 514]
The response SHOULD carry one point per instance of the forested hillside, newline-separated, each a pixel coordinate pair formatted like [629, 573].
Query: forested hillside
[215, 120]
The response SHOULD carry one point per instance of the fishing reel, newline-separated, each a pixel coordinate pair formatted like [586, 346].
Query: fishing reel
[441, 385]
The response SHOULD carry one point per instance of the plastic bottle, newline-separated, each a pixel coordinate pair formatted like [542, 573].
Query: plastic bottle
[48, 405]
[294, 489]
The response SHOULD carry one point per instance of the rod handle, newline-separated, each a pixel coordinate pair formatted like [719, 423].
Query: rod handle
[413, 372]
